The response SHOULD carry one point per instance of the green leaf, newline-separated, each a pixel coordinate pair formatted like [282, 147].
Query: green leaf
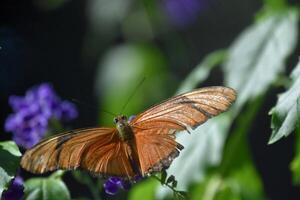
[285, 114]
[9, 163]
[201, 71]
[236, 177]
[236, 150]
[46, 189]
[258, 55]
[85, 178]
[144, 190]
[295, 164]
[216, 187]
[82, 177]
[202, 148]
[213, 188]
[275, 4]
[237, 162]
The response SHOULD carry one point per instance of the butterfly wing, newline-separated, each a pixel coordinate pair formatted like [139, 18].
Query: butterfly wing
[154, 129]
[156, 149]
[98, 150]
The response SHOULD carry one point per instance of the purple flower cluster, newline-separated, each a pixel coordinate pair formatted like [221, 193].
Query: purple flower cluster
[32, 113]
[183, 12]
[15, 190]
[113, 184]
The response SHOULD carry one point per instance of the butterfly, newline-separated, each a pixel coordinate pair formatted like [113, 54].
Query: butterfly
[141, 146]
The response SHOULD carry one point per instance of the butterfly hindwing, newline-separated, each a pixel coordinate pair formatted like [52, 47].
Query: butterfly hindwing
[156, 151]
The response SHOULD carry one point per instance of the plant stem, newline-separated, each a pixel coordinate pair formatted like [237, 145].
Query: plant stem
[169, 186]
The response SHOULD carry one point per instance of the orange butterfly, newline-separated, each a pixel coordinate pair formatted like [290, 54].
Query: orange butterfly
[142, 146]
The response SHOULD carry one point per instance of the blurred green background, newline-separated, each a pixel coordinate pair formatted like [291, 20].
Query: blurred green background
[98, 51]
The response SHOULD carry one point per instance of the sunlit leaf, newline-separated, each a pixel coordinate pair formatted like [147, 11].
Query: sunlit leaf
[46, 188]
[202, 148]
[9, 163]
[285, 114]
[143, 190]
[258, 55]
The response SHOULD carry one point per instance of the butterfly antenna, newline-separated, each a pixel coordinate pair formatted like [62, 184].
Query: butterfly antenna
[92, 107]
[133, 93]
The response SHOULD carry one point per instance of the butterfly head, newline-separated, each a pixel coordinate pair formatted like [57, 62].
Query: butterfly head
[123, 127]
[121, 119]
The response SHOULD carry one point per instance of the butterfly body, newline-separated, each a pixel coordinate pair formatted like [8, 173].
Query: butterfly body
[141, 146]
[124, 130]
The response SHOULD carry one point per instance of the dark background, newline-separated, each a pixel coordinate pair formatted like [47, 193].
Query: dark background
[46, 46]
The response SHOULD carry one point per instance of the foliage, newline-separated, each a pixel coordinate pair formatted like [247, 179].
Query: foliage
[258, 55]
[46, 188]
[285, 114]
[285, 118]
[9, 163]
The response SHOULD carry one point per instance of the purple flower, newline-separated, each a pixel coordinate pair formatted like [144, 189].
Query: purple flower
[183, 12]
[15, 190]
[32, 113]
[114, 184]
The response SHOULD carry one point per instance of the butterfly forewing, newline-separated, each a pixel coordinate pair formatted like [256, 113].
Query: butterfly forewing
[187, 110]
[98, 150]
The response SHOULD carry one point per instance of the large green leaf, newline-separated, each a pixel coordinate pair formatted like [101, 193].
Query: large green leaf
[46, 189]
[236, 176]
[9, 162]
[285, 114]
[258, 55]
